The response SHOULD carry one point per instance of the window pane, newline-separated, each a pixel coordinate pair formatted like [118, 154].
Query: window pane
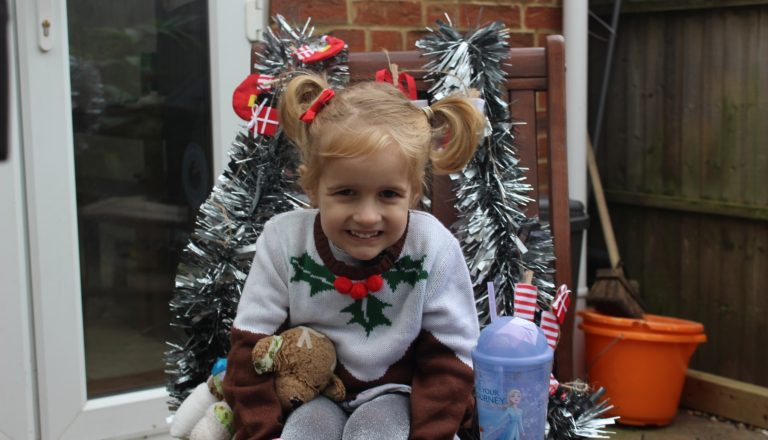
[142, 136]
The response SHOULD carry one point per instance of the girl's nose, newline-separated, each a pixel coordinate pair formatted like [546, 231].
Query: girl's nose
[367, 214]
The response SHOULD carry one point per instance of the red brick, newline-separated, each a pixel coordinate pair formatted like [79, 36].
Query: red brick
[296, 12]
[521, 39]
[437, 11]
[412, 36]
[390, 40]
[391, 13]
[355, 38]
[538, 17]
[480, 15]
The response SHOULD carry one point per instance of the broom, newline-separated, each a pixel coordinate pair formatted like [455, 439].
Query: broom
[611, 293]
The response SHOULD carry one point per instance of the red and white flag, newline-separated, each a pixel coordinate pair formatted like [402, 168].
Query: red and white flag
[525, 301]
[550, 327]
[553, 384]
[561, 303]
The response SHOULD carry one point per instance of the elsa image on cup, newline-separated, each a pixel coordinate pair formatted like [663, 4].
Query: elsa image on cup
[510, 425]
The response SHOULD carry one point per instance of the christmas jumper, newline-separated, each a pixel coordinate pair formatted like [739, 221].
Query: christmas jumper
[417, 329]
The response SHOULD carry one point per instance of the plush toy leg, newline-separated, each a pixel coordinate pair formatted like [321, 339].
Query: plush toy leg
[191, 411]
[216, 424]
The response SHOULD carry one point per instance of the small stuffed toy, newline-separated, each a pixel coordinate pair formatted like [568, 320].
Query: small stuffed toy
[303, 361]
[204, 415]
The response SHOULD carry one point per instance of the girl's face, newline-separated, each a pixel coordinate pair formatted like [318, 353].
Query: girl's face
[514, 397]
[364, 201]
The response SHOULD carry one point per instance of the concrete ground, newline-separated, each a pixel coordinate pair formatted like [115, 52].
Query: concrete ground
[689, 425]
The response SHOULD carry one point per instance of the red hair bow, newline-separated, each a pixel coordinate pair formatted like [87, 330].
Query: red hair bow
[319, 104]
[405, 82]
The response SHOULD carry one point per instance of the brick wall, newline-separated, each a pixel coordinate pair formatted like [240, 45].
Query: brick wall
[371, 25]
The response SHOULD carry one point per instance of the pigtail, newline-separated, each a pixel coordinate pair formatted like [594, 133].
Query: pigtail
[459, 127]
[299, 94]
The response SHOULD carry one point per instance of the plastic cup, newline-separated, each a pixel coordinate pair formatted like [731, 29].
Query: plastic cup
[512, 363]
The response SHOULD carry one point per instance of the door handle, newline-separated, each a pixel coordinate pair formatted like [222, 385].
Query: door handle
[44, 25]
[254, 13]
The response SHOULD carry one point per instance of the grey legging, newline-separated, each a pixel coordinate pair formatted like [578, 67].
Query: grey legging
[385, 417]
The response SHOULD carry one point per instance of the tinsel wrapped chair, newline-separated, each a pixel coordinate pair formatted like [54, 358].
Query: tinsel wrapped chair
[534, 76]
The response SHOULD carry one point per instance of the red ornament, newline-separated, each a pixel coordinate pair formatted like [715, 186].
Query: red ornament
[328, 47]
[244, 96]
[561, 303]
[342, 285]
[405, 82]
[264, 120]
[374, 283]
[359, 291]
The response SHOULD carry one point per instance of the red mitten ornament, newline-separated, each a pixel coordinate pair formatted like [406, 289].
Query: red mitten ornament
[327, 47]
[244, 97]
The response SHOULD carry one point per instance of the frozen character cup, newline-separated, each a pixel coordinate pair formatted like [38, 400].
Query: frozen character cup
[512, 364]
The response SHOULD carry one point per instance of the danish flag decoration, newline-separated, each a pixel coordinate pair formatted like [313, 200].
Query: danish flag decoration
[525, 301]
[550, 324]
[244, 97]
[264, 119]
[329, 47]
[561, 303]
[553, 384]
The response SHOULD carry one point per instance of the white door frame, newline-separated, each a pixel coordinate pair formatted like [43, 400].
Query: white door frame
[17, 414]
[41, 266]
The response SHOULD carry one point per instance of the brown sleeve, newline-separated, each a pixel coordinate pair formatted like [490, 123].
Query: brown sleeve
[441, 396]
[251, 396]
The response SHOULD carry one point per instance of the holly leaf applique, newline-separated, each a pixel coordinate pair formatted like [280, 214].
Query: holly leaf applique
[368, 312]
[316, 275]
[405, 270]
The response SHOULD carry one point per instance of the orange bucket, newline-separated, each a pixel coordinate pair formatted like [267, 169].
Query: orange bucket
[641, 363]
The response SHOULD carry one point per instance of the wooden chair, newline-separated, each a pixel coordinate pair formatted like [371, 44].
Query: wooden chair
[531, 72]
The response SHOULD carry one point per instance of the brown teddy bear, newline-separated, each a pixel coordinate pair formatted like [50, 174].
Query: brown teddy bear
[303, 361]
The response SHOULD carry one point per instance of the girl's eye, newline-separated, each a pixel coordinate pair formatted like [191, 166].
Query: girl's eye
[389, 194]
[344, 192]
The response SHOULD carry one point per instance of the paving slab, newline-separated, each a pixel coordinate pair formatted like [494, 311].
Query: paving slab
[690, 426]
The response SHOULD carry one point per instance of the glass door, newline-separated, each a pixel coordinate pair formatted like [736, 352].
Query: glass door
[125, 124]
[141, 119]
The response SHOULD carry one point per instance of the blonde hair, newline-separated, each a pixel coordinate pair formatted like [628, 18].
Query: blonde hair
[369, 116]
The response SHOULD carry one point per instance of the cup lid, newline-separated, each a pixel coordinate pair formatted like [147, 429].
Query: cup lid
[513, 342]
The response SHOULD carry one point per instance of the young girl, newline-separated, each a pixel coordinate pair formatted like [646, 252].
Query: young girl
[387, 284]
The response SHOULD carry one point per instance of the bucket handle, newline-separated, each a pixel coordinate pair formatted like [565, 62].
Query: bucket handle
[617, 339]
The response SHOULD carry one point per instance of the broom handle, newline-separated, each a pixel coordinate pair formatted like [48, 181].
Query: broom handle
[602, 208]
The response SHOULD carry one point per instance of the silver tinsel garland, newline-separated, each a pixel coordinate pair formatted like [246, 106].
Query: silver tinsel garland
[258, 182]
[575, 411]
[499, 241]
